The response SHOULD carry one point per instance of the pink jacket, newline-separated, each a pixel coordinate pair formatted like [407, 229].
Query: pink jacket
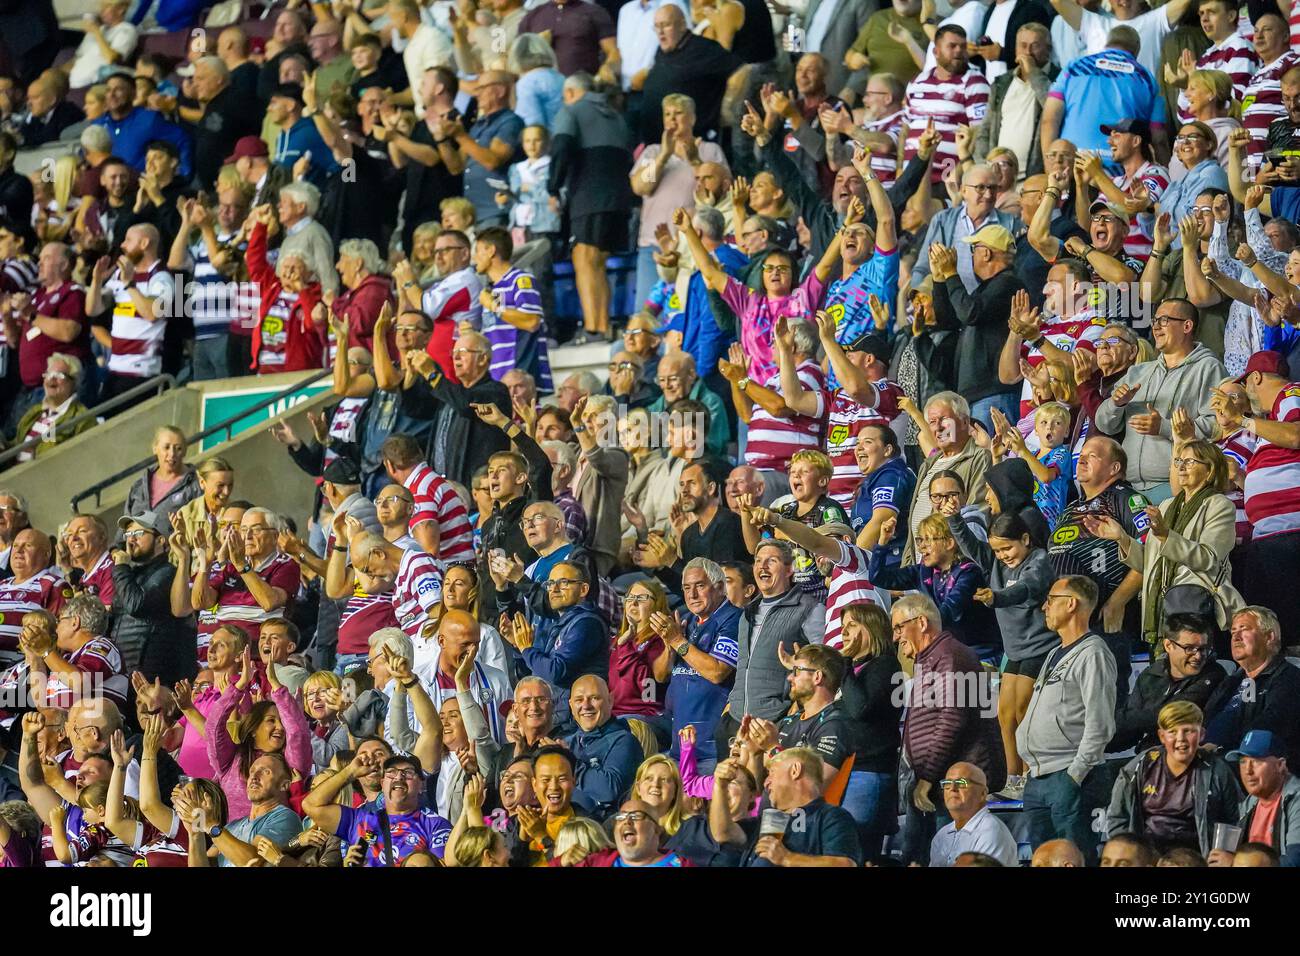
[223, 752]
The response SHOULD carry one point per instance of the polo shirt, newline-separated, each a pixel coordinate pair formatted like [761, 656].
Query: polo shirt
[1105, 87]
[825, 831]
[691, 698]
[280, 825]
[505, 125]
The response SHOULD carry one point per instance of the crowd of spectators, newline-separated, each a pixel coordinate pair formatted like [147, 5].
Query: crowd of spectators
[939, 506]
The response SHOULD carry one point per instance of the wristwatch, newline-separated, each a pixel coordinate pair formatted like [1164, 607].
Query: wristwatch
[247, 568]
[214, 831]
[681, 649]
[743, 383]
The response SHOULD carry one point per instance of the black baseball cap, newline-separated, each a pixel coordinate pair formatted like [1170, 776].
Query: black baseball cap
[1137, 127]
[872, 342]
[289, 91]
[342, 471]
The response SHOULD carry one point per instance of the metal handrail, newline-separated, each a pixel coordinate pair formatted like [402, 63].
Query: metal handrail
[97, 489]
[158, 384]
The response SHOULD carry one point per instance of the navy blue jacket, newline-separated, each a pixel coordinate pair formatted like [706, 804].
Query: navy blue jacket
[607, 758]
[569, 646]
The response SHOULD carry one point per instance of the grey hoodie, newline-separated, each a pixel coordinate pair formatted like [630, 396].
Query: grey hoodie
[1018, 593]
[1165, 389]
[1071, 716]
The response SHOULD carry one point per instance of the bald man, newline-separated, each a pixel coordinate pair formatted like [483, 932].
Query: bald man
[974, 829]
[605, 751]
[142, 294]
[713, 189]
[1057, 853]
[455, 664]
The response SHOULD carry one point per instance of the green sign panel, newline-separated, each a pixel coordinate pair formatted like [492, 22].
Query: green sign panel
[218, 406]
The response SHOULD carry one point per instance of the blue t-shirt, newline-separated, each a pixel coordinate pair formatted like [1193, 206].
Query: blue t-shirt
[847, 300]
[420, 832]
[280, 825]
[1051, 497]
[304, 137]
[672, 859]
[506, 126]
[693, 699]
[889, 486]
[1105, 88]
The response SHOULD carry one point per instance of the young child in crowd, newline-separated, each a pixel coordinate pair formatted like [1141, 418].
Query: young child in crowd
[1051, 466]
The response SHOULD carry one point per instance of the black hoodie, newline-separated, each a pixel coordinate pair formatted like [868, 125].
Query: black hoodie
[1013, 483]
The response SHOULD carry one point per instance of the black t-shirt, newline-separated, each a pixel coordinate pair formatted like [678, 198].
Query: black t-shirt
[699, 68]
[426, 187]
[816, 829]
[721, 541]
[830, 732]
[390, 75]
[695, 843]
[225, 120]
[868, 696]
[1074, 550]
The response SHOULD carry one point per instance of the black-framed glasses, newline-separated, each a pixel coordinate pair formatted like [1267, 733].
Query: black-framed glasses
[800, 668]
[1053, 597]
[407, 774]
[944, 495]
[981, 187]
[1188, 462]
[556, 583]
[1191, 650]
[898, 628]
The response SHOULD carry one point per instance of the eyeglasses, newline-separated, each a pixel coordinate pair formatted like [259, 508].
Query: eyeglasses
[958, 783]
[632, 333]
[1114, 341]
[944, 495]
[1188, 462]
[1191, 650]
[621, 366]
[56, 376]
[638, 599]
[1202, 209]
[633, 816]
[388, 499]
[438, 252]
[556, 583]
[981, 187]
[805, 670]
[136, 534]
[1053, 597]
[1162, 320]
[456, 352]
[408, 328]
[400, 774]
[534, 521]
[1107, 220]
[898, 628]
[778, 270]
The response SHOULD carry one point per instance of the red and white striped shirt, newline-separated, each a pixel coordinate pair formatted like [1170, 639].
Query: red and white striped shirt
[1262, 103]
[1294, 22]
[343, 423]
[885, 165]
[236, 604]
[845, 419]
[45, 590]
[436, 500]
[1273, 475]
[773, 440]
[1239, 447]
[137, 342]
[1236, 56]
[1141, 226]
[362, 616]
[1081, 331]
[849, 585]
[97, 656]
[958, 101]
[416, 591]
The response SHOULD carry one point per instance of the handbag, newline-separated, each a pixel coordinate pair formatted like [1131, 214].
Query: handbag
[1226, 599]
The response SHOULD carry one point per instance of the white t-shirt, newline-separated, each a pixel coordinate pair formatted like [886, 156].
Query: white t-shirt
[1015, 134]
[983, 833]
[997, 32]
[970, 17]
[1152, 27]
[90, 59]
[428, 47]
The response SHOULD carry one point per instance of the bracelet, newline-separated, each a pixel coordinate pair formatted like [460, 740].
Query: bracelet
[409, 684]
[1250, 426]
[407, 285]
[1053, 191]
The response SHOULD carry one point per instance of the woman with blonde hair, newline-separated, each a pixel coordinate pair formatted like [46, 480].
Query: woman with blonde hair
[578, 839]
[54, 209]
[421, 257]
[198, 518]
[1007, 166]
[1209, 99]
[658, 784]
[322, 701]
[639, 660]
[483, 846]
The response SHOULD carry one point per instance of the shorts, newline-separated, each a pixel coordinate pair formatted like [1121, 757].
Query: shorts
[1028, 667]
[606, 231]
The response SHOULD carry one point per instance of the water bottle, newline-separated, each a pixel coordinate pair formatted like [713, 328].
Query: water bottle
[794, 35]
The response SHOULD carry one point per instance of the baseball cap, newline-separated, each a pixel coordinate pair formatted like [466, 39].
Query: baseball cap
[993, 236]
[1259, 744]
[342, 471]
[872, 342]
[1137, 127]
[1100, 205]
[401, 759]
[834, 529]
[151, 520]
[1270, 363]
[246, 147]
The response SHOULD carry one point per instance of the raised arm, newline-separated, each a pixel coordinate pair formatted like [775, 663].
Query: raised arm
[714, 277]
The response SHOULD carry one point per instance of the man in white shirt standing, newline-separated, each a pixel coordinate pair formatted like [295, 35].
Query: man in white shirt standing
[1152, 26]
[426, 47]
[974, 828]
[109, 39]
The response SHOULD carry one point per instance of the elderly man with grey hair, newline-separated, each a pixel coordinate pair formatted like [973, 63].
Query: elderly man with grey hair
[298, 204]
[564, 465]
[948, 416]
[48, 111]
[220, 119]
[974, 212]
[366, 288]
[44, 425]
[705, 654]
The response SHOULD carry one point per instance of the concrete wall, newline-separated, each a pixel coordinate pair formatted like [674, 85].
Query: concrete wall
[264, 472]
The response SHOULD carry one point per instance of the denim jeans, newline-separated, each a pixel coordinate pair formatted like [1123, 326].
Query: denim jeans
[872, 800]
[210, 358]
[1057, 808]
[647, 274]
[1006, 402]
